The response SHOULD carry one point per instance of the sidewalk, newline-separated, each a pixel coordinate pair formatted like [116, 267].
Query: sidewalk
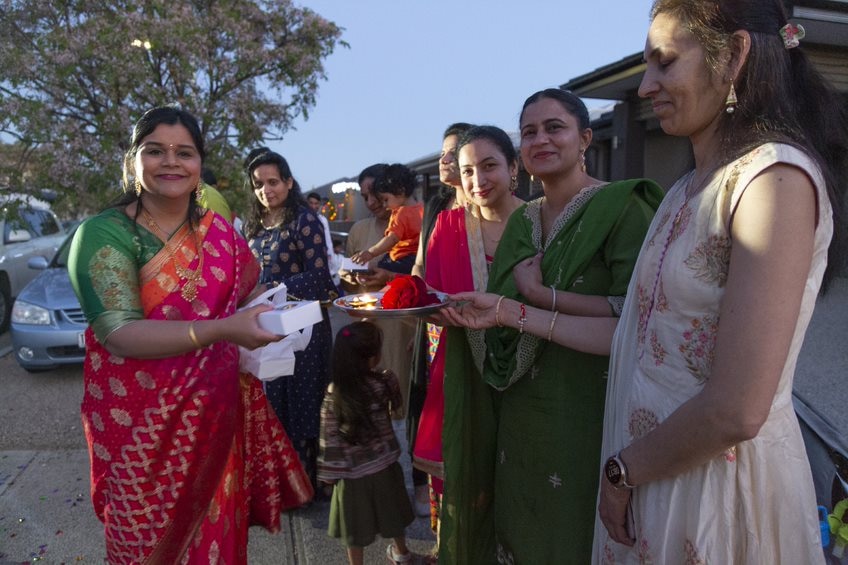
[46, 515]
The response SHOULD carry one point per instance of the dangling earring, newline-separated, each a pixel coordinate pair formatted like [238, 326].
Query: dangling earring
[137, 187]
[730, 103]
[513, 184]
[583, 160]
[198, 192]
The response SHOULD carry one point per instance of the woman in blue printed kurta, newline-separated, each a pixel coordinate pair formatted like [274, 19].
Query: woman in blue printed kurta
[288, 241]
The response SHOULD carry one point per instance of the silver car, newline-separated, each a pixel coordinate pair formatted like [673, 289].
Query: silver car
[48, 324]
[28, 229]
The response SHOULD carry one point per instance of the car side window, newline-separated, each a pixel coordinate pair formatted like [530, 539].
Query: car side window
[16, 222]
[40, 222]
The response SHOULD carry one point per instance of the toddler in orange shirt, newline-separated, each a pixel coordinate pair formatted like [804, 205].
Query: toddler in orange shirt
[395, 188]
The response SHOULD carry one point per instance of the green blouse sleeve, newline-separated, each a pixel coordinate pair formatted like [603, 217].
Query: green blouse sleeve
[104, 267]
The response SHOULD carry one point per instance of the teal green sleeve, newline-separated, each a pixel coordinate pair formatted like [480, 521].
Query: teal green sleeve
[104, 270]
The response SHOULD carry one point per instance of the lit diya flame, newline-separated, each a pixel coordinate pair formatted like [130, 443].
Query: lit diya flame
[364, 302]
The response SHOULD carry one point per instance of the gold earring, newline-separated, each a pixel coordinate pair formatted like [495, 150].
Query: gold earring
[138, 187]
[730, 103]
[513, 184]
[583, 160]
[198, 192]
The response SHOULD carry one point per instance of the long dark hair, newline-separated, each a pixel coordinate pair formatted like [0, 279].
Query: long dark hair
[149, 121]
[570, 102]
[447, 193]
[294, 201]
[781, 96]
[494, 134]
[356, 344]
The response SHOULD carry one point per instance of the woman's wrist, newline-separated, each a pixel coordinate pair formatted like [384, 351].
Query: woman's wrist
[192, 335]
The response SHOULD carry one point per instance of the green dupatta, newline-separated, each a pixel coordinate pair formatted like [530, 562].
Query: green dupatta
[573, 242]
[471, 416]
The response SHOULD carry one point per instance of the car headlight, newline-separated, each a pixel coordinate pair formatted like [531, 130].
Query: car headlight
[26, 313]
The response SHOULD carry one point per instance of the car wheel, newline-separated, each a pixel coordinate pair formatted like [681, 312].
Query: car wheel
[5, 303]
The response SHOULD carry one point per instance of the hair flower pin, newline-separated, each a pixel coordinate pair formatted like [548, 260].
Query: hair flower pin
[345, 332]
[792, 35]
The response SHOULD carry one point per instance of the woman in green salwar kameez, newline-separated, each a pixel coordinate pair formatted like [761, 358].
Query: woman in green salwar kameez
[523, 415]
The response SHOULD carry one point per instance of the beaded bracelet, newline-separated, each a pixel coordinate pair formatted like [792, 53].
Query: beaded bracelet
[498, 311]
[553, 298]
[553, 321]
[522, 318]
[193, 336]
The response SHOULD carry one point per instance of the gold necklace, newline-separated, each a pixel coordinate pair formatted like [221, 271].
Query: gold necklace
[191, 277]
[152, 224]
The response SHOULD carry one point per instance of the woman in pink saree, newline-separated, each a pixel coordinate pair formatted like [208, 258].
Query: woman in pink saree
[185, 452]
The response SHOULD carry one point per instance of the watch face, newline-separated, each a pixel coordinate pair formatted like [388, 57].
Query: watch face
[613, 471]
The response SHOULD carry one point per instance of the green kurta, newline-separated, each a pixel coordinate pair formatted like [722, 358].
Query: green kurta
[522, 444]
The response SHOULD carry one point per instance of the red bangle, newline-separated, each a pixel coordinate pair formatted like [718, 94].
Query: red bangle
[522, 318]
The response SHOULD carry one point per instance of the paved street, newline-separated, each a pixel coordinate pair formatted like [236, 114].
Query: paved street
[45, 512]
[45, 509]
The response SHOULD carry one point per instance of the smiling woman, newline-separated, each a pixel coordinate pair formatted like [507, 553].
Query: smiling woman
[287, 241]
[164, 399]
[522, 453]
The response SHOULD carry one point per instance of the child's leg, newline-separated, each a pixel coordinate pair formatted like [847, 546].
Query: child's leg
[355, 555]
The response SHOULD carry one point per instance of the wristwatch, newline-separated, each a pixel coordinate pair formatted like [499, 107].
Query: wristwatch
[616, 472]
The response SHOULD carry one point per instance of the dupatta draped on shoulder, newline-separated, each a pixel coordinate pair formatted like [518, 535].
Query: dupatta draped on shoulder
[523, 417]
[578, 236]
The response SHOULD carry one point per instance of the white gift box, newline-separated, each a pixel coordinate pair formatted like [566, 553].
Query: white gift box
[349, 265]
[277, 358]
[290, 317]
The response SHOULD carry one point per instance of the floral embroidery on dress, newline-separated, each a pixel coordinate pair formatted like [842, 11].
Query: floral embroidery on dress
[660, 228]
[698, 345]
[657, 349]
[644, 553]
[608, 558]
[710, 259]
[662, 300]
[681, 222]
[644, 312]
[691, 554]
[641, 422]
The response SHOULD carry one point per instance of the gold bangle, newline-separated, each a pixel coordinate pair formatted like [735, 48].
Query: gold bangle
[498, 311]
[553, 321]
[193, 336]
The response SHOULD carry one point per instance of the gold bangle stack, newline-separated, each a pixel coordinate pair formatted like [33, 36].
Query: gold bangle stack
[193, 336]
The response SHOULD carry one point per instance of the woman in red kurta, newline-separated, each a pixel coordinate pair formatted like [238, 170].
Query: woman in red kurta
[459, 253]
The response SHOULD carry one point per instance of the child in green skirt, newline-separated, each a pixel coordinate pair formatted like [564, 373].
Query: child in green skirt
[358, 449]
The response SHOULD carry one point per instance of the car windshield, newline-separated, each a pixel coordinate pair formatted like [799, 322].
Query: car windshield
[60, 260]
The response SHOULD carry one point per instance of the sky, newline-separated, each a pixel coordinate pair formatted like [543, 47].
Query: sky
[415, 66]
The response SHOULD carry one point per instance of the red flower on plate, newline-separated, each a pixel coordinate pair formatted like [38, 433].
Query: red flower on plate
[407, 291]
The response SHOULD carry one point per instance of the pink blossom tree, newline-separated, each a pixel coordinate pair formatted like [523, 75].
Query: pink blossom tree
[77, 73]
